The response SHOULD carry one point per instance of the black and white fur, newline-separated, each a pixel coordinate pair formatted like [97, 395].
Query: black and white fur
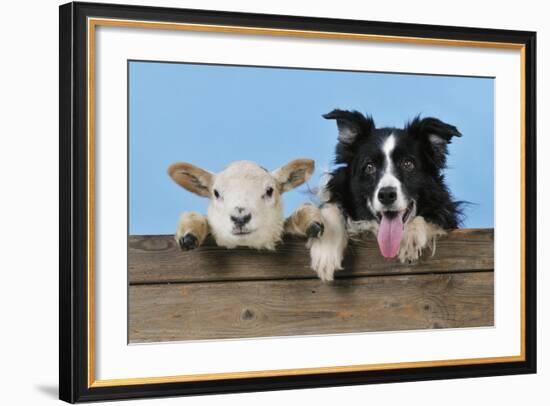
[385, 172]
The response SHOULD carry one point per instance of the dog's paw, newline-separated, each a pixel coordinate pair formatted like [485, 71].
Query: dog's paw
[187, 242]
[410, 250]
[327, 249]
[415, 239]
[326, 256]
[315, 230]
[417, 236]
[325, 266]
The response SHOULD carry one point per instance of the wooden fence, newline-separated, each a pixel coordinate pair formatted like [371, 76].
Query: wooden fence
[215, 293]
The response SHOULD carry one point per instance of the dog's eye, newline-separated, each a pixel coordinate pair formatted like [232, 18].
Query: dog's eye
[269, 192]
[407, 165]
[370, 168]
[216, 194]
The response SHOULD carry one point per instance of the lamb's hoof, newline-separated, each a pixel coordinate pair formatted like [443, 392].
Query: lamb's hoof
[315, 230]
[188, 242]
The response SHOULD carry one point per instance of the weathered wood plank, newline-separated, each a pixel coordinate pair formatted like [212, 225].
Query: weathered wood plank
[153, 259]
[190, 311]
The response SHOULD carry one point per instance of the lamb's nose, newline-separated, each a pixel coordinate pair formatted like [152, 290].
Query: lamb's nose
[241, 220]
[387, 195]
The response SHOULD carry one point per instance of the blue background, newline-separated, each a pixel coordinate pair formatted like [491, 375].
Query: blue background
[211, 115]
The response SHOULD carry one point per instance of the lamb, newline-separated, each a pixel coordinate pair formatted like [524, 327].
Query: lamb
[245, 207]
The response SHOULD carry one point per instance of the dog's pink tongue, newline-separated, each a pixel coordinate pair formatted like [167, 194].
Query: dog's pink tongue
[389, 235]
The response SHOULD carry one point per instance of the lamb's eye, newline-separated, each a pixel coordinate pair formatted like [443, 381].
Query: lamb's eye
[407, 165]
[216, 194]
[370, 168]
[269, 192]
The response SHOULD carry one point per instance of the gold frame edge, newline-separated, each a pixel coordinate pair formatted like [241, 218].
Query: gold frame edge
[93, 22]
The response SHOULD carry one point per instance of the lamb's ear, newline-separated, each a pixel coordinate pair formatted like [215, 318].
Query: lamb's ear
[437, 133]
[352, 126]
[293, 174]
[192, 178]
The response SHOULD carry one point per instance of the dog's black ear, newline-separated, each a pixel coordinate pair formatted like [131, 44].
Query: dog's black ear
[436, 134]
[352, 126]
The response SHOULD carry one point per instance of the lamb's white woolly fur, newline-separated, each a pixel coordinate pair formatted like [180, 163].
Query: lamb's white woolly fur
[243, 184]
[327, 251]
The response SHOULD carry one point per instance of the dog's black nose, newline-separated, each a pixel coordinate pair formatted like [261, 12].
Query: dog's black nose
[387, 195]
[242, 220]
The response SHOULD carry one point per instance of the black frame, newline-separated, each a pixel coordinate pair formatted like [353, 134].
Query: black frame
[73, 327]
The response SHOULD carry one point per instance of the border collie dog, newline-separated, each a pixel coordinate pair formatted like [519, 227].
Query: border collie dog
[390, 183]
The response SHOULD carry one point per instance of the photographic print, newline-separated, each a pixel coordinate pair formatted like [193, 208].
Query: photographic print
[256, 202]
[270, 201]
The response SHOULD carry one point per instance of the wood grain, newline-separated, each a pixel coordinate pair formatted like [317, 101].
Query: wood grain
[156, 259]
[191, 311]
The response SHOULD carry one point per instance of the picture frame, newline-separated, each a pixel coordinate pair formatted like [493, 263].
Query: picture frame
[78, 286]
